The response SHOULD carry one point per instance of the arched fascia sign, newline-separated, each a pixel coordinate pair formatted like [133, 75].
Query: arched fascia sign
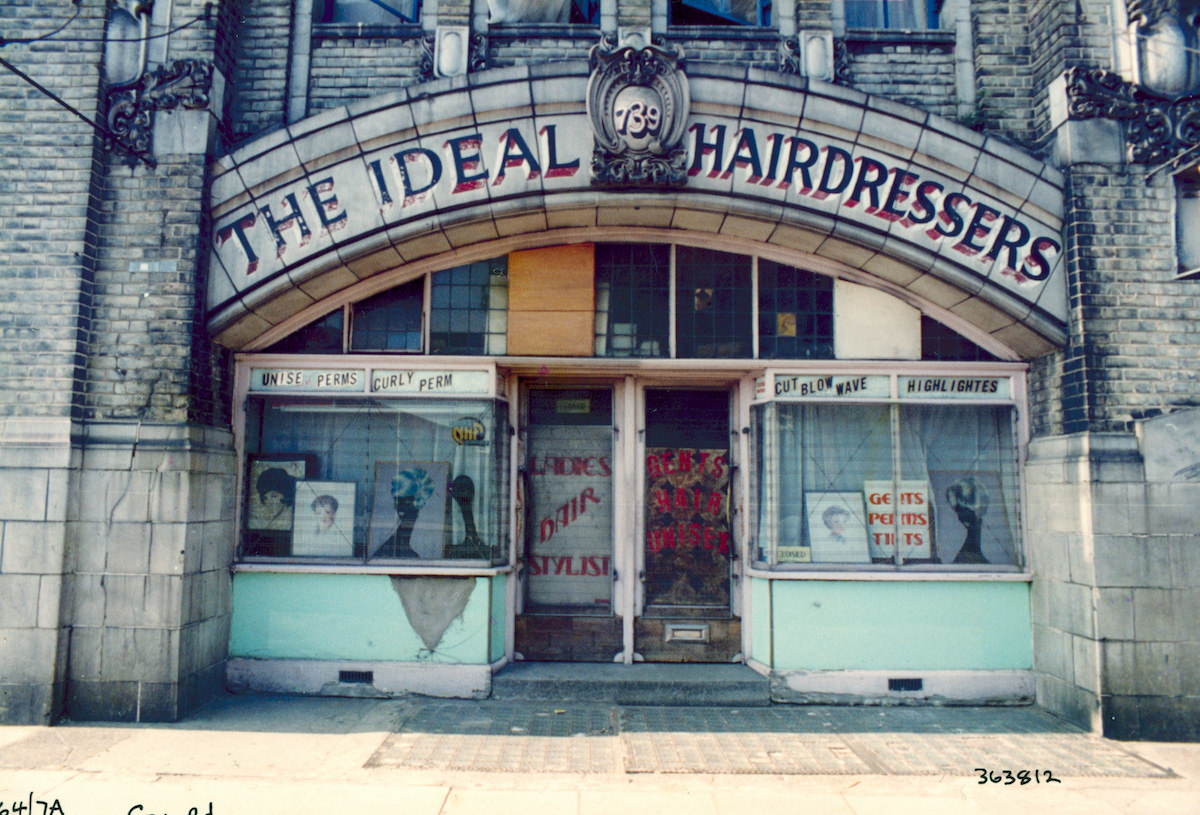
[922, 205]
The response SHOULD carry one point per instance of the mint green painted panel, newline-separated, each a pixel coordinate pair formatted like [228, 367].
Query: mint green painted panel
[760, 609]
[499, 616]
[830, 625]
[345, 616]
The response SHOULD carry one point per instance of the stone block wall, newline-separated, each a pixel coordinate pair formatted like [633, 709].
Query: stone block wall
[147, 600]
[36, 458]
[1116, 558]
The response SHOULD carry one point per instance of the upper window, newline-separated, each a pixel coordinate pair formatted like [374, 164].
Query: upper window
[654, 301]
[390, 321]
[369, 12]
[633, 287]
[547, 11]
[912, 15]
[468, 309]
[721, 12]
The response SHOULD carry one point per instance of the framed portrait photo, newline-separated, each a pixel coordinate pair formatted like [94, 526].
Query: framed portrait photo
[324, 519]
[837, 527]
[271, 500]
[408, 509]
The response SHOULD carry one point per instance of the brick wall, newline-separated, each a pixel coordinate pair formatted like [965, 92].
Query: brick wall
[348, 68]
[510, 45]
[259, 87]
[47, 255]
[45, 275]
[717, 44]
[917, 71]
[1004, 84]
[1133, 345]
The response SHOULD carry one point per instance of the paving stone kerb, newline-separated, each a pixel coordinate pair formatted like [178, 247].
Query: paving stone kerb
[276, 252]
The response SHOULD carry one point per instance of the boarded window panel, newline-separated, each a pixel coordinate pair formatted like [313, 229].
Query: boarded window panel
[551, 298]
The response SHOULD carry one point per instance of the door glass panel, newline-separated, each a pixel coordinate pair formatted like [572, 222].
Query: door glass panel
[569, 444]
[688, 529]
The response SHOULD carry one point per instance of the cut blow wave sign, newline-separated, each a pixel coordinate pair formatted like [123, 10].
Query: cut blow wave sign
[935, 213]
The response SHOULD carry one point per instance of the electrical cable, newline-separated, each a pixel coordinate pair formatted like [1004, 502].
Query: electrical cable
[207, 15]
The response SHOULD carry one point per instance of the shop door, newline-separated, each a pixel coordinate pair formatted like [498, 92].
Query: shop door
[567, 607]
[686, 572]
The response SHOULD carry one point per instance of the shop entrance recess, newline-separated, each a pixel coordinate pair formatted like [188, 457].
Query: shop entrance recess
[686, 558]
[567, 565]
[627, 552]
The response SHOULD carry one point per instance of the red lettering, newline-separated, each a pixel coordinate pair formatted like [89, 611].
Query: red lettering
[880, 518]
[667, 463]
[714, 503]
[654, 467]
[880, 498]
[685, 461]
[547, 529]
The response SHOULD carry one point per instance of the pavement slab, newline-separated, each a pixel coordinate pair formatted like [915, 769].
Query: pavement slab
[278, 755]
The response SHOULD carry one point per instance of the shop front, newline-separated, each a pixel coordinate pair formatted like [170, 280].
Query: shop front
[751, 391]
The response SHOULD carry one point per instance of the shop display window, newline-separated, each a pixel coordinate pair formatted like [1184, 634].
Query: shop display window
[632, 300]
[468, 310]
[885, 485]
[375, 481]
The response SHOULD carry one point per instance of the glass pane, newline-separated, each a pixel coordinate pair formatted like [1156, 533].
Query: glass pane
[390, 321]
[570, 500]
[468, 303]
[721, 12]
[915, 15]
[371, 12]
[941, 343]
[363, 479]
[713, 304]
[324, 336]
[966, 458]
[689, 541]
[632, 292]
[795, 313]
[817, 464]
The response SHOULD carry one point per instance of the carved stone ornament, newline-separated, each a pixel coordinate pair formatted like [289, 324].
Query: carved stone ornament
[843, 71]
[1157, 128]
[185, 83]
[789, 56]
[425, 67]
[638, 103]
